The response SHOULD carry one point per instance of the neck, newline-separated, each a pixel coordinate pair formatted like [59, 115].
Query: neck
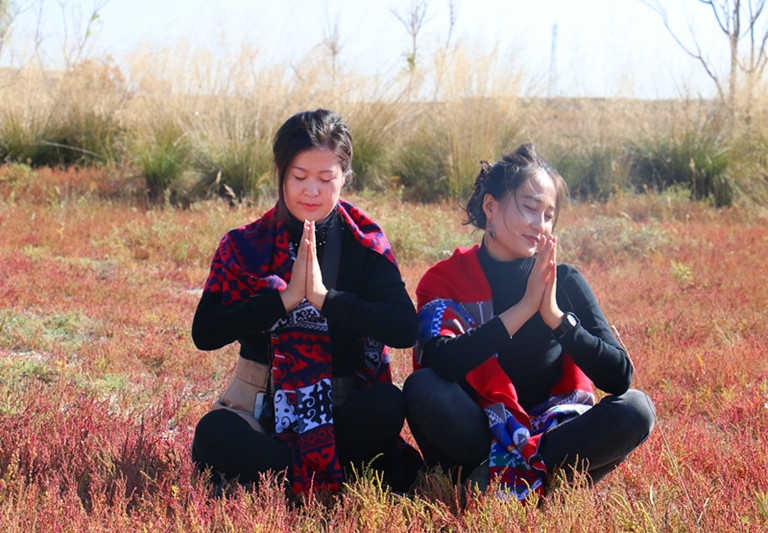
[496, 251]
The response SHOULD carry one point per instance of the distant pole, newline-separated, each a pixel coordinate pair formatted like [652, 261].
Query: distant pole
[553, 64]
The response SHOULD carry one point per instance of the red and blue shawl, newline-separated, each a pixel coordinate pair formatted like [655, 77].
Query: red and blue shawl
[454, 297]
[259, 257]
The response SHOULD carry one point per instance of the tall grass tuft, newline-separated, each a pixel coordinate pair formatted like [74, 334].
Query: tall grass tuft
[692, 152]
[162, 153]
[474, 114]
[585, 140]
[63, 118]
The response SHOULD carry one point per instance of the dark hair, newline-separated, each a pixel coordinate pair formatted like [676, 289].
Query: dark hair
[306, 130]
[506, 177]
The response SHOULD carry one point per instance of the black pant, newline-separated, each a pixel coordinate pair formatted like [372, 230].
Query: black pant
[366, 425]
[452, 430]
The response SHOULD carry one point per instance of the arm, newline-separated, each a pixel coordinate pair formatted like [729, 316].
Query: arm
[384, 311]
[591, 344]
[453, 357]
[216, 325]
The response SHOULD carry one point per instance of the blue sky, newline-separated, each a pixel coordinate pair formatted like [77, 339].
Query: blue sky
[603, 47]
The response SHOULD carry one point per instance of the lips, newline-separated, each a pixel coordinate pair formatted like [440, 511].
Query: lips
[534, 241]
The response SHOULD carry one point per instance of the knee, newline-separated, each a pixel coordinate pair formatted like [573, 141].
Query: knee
[207, 432]
[639, 411]
[419, 387]
[392, 402]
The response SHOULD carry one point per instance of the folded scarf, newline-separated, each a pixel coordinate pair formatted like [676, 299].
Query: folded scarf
[259, 257]
[454, 297]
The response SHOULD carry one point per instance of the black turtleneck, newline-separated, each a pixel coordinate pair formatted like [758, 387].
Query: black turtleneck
[369, 300]
[532, 357]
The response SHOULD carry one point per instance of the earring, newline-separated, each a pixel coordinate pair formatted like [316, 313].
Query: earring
[491, 231]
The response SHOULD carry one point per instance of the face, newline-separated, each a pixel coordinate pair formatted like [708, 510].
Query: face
[520, 219]
[312, 184]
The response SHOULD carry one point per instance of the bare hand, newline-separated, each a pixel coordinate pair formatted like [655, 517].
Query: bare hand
[315, 291]
[549, 309]
[294, 293]
[541, 273]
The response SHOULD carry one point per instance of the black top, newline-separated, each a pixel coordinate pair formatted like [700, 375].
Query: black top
[532, 357]
[369, 300]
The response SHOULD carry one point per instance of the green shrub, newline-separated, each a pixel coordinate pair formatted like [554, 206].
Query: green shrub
[233, 150]
[420, 171]
[30, 138]
[695, 155]
[594, 171]
[163, 156]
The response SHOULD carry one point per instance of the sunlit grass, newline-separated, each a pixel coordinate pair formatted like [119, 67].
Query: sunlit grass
[101, 386]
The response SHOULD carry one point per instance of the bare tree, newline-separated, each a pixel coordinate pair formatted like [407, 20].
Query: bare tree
[9, 10]
[413, 19]
[743, 24]
[333, 45]
[77, 23]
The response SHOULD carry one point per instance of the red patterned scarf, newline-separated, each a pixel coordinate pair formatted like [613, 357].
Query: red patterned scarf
[259, 257]
[454, 297]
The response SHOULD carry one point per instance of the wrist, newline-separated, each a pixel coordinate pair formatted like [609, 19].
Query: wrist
[318, 299]
[289, 299]
[553, 320]
[568, 323]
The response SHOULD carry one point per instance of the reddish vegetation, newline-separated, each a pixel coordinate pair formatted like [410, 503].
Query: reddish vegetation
[100, 384]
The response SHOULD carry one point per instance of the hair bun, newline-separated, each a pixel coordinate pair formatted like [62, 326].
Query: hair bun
[485, 168]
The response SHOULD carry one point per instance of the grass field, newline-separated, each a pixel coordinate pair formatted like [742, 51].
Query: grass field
[101, 386]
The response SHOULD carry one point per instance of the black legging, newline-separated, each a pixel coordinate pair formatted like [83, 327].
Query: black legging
[452, 430]
[366, 425]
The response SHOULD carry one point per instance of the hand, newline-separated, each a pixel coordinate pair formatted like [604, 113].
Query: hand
[549, 310]
[517, 315]
[294, 293]
[540, 274]
[315, 291]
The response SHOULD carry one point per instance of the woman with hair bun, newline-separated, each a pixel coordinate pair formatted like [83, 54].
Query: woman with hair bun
[510, 345]
[312, 293]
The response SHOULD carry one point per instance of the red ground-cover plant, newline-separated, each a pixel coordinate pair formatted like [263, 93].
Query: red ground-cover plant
[101, 386]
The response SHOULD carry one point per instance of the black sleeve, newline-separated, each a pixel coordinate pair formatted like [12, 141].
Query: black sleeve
[216, 325]
[591, 344]
[453, 357]
[385, 312]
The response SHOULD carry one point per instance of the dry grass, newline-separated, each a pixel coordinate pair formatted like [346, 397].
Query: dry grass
[191, 124]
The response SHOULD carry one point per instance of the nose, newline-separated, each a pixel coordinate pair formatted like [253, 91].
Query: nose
[312, 189]
[539, 222]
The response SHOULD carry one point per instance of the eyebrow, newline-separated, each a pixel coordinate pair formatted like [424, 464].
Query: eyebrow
[538, 198]
[324, 171]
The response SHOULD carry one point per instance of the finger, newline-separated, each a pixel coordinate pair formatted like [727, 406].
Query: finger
[544, 255]
[301, 254]
[553, 240]
[311, 245]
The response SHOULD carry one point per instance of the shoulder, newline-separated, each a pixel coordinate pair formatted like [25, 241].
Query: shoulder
[365, 230]
[568, 276]
[453, 278]
[565, 271]
[266, 224]
[461, 260]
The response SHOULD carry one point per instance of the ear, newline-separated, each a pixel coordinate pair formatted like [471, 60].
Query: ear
[490, 206]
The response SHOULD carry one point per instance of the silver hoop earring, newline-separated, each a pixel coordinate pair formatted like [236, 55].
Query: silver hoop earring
[491, 231]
